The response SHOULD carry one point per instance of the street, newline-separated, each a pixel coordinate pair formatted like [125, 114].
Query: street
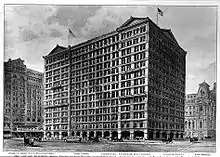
[147, 146]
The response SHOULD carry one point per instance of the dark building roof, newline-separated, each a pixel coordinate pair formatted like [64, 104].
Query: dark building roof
[130, 22]
[58, 48]
[204, 84]
[169, 33]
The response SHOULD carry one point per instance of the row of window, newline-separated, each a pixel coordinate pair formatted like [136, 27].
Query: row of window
[57, 109]
[99, 103]
[95, 45]
[57, 58]
[58, 85]
[160, 125]
[62, 127]
[57, 71]
[56, 120]
[132, 125]
[56, 65]
[57, 114]
[137, 99]
[134, 41]
[154, 101]
[95, 56]
[60, 95]
[56, 102]
[158, 92]
[193, 125]
[135, 31]
[95, 126]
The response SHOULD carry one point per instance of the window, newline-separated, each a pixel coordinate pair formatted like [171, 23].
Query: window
[136, 48]
[142, 38]
[142, 47]
[200, 108]
[129, 42]
[135, 41]
[200, 124]
[142, 29]
[122, 44]
[123, 35]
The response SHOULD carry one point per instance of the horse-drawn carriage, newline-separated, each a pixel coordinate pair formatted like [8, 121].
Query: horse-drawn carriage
[167, 140]
[30, 141]
[194, 139]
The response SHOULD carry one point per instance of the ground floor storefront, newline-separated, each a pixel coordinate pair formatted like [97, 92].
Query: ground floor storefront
[117, 134]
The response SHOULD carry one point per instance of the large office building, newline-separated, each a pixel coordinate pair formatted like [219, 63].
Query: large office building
[23, 99]
[128, 83]
[200, 113]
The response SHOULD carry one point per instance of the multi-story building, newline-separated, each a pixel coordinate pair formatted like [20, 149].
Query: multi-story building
[200, 112]
[57, 89]
[34, 110]
[127, 83]
[23, 98]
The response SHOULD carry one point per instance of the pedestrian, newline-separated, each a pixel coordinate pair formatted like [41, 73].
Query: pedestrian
[25, 139]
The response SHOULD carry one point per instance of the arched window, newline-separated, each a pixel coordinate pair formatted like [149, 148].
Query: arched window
[200, 108]
[189, 125]
[200, 124]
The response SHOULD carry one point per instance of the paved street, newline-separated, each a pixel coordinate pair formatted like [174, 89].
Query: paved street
[147, 146]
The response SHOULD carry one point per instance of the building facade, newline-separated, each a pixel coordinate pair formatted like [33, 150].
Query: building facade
[200, 112]
[23, 97]
[128, 83]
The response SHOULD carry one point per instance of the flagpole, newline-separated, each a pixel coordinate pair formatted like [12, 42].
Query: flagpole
[68, 42]
[157, 17]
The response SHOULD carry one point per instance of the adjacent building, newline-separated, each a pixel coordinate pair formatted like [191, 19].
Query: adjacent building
[128, 83]
[200, 112]
[23, 99]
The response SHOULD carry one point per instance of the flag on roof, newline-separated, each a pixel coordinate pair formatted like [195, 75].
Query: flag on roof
[160, 11]
[71, 33]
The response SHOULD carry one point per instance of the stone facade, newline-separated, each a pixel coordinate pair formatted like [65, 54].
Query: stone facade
[21, 106]
[128, 83]
[200, 112]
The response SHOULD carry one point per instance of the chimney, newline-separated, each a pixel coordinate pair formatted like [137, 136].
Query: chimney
[214, 87]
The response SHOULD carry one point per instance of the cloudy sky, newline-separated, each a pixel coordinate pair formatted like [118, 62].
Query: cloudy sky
[33, 31]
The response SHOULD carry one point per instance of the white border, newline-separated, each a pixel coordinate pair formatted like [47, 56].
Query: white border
[112, 2]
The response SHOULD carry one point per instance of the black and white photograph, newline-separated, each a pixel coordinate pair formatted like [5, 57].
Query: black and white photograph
[109, 78]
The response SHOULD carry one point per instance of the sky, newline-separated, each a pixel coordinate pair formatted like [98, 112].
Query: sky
[32, 31]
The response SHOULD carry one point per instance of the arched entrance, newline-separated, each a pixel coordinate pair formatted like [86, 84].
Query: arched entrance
[84, 134]
[48, 134]
[158, 134]
[78, 133]
[150, 135]
[125, 134]
[64, 134]
[177, 135]
[164, 135]
[91, 134]
[114, 134]
[139, 134]
[181, 135]
[56, 135]
[98, 134]
[106, 134]
[72, 133]
[171, 135]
